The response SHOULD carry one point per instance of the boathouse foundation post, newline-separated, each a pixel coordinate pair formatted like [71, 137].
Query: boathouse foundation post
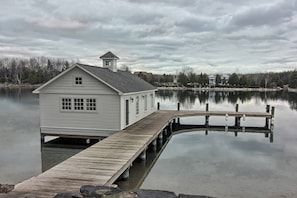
[126, 174]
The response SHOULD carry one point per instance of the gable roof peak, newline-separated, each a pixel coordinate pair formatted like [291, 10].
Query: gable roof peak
[109, 55]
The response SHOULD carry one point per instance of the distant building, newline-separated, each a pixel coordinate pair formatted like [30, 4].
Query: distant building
[94, 101]
[211, 80]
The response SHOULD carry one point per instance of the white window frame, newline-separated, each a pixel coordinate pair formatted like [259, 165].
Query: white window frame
[66, 104]
[86, 105]
[137, 105]
[91, 104]
[145, 102]
[152, 101]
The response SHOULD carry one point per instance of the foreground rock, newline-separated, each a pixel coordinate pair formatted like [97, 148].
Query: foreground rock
[5, 188]
[89, 191]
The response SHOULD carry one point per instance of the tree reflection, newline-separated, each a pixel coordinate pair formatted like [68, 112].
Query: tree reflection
[188, 97]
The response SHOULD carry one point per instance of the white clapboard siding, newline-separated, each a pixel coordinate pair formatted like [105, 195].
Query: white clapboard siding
[66, 84]
[105, 117]
[133, 117]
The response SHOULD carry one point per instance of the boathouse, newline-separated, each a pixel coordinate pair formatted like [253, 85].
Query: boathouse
[93, 101]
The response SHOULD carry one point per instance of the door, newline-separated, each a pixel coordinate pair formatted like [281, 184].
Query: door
[127, 112]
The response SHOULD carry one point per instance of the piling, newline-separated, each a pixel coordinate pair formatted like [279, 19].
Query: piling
[207, 116]
[237, 119]
[126, 174]
[267, 119]
[178, 108]
[158, 106]
[142, 156]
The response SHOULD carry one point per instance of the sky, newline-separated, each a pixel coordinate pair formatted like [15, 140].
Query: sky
[159, 36]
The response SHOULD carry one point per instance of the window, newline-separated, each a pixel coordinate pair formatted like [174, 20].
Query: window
[145, 102]
[91, 104]
[78, 80]
[107, 63]
[66, 103]
[78, 104]
[137, 105]
[152, 100]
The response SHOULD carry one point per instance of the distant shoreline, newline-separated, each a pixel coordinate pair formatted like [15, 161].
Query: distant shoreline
[225, 89]
[25, 85]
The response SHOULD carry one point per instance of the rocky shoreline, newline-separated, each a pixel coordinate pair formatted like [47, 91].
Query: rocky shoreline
[89, 191]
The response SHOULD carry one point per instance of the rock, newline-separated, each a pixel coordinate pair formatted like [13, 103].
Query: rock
[68, 195]
[89, 191]
[5, 188]
[155, 194]
[193, 196]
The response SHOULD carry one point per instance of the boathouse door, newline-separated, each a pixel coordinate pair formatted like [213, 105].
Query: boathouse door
[127, 112]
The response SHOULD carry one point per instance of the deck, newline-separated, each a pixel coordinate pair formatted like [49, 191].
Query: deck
[103, 163]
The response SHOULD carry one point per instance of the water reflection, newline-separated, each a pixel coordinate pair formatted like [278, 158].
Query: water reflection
[188, 97]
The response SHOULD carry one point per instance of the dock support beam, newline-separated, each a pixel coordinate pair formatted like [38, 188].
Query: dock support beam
[158, 106]
[206, 117]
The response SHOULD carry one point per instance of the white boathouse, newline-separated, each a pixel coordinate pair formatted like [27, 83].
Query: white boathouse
[93, 101]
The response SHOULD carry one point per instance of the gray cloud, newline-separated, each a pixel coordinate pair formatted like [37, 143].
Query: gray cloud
[157, 36]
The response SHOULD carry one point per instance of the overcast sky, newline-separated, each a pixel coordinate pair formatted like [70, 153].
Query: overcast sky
[159, 36]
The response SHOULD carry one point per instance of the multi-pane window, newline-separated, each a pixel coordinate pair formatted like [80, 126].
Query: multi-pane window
[66, 103]
[78, 104]
[78, 80]
[91, 104]
[137, 105]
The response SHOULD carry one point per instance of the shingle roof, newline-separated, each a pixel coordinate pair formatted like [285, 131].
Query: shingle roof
[122, 81]
[109, 55]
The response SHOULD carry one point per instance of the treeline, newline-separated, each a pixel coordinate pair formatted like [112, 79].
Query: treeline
[33, 70]
[187, 78]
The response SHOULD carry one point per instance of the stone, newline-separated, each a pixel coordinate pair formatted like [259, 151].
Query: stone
[89, 191]
[5, 188]
[142, 193]
[193, 196]
[68, 195]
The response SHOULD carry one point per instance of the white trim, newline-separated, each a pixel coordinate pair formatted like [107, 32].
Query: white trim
[48, 127]
[139, 92]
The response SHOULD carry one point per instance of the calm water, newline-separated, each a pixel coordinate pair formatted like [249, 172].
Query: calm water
[218, 164]
[223, 165]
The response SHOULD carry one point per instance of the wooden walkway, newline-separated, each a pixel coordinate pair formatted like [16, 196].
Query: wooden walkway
[103, 163]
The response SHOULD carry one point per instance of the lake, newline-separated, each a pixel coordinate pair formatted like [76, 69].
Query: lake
[218, 164]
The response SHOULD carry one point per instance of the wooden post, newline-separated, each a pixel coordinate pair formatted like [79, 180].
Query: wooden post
[235, 133]
[143, 155]
[126, 174]
[206, 117]
[158, 106]
[237, 119]
[206, 132]
[271, 137]
[272, 111]
[267, 119]
[178, 108]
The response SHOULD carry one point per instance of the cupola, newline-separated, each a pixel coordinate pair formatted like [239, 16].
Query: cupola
[109, 61]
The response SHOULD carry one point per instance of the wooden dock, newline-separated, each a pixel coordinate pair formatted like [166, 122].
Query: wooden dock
[104, 162]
